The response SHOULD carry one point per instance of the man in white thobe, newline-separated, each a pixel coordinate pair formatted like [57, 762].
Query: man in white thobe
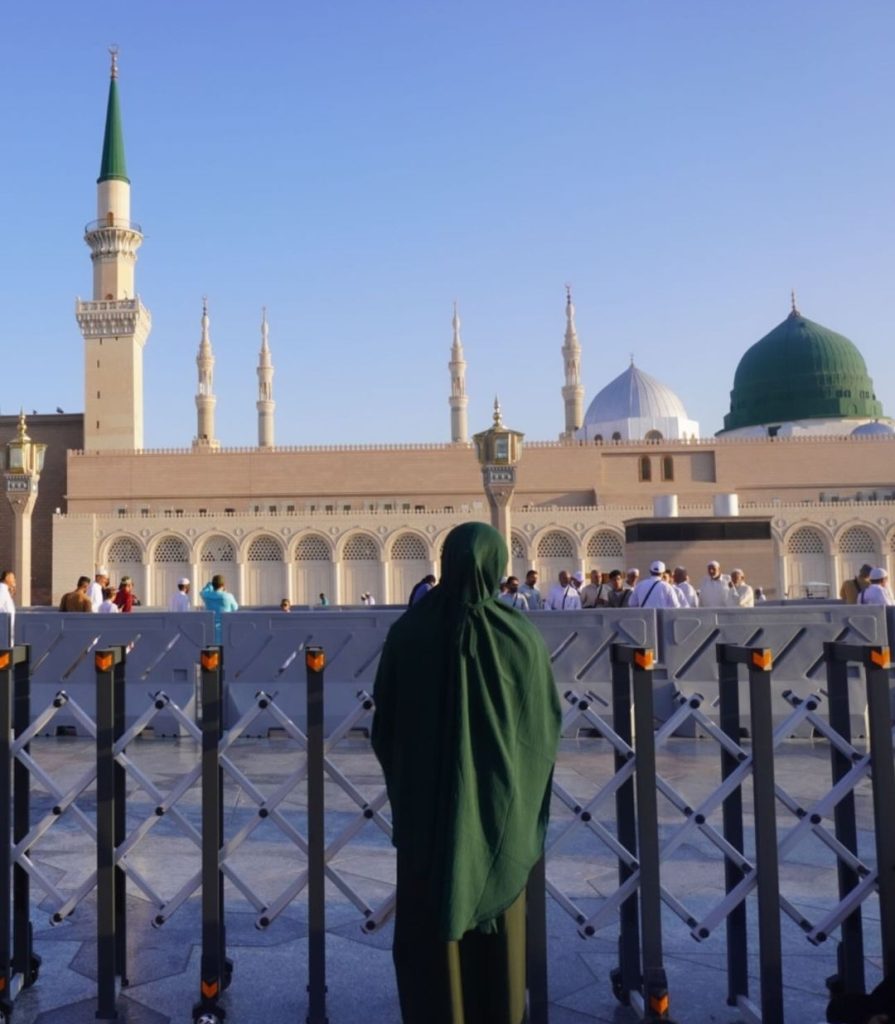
[714, 591]
[563, 597]
[529, 589]
[180, 599]
[741, 594]
[95, 590]
[7, 589]
[654, 592]
[685, 588]
[513, 596]
[877, 591]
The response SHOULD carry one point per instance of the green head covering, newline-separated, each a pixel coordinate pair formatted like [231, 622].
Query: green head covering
[466, 730]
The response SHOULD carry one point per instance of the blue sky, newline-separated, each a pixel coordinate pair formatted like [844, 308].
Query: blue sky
[357, 166]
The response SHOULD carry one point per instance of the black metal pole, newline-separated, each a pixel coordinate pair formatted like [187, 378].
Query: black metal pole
[536, 945]
[119, 718]
[627, 977]
[883, 773]
[25, 961]
[214, 971]
[766, 843]
[850, 952]
[6, 715]
[315, 660]
[732, 821]
[107, 947]
[655, 982]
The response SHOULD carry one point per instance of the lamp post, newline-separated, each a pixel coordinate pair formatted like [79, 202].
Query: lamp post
[499, 451]
[24, 462]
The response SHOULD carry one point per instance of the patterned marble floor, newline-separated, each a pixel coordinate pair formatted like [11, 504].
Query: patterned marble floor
[270, 965]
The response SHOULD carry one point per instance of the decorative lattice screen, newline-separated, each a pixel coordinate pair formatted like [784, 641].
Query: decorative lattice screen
[409, 547]
[805, 541]
[218, 549]
[312, 549]
[604, 545]
[171, 549]
[555, 545]
[265, 549]
[857, 541]
[124, 550]
[360, 548]
[517, 548]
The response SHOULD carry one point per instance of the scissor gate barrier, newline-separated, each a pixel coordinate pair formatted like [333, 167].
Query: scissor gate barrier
[638, 820]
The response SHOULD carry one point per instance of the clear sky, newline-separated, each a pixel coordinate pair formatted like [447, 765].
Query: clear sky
[357, 166]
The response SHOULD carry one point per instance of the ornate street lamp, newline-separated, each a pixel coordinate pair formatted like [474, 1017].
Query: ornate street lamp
[23, 465]
[499, 451]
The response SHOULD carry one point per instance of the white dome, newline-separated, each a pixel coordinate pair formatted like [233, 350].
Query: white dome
[873, 429]
[634, 395]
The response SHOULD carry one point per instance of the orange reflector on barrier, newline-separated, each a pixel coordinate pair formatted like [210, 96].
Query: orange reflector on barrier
[2, 984]
[659, 1004]
[643, 659]
[881, 657]
[315, 660]
[763, 659]
[4, 660]
[210, 660]
[103, 662]
[209, 989]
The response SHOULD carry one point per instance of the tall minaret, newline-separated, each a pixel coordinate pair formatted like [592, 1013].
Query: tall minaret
[205, 399]
[115, 324]
[459, 399]
[573, 391]
[265, 404]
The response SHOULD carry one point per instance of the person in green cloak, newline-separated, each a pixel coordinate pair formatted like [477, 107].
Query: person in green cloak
[466, 729]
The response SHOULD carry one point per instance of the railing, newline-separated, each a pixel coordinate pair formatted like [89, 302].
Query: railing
[637, 817]
[114, 222]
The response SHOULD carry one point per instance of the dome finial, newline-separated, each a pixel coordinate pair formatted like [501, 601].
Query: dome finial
[113, 53]
[795, 309]
[498, 420]
[631, 354]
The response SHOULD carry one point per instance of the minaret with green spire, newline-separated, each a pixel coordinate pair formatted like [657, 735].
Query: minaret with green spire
[115, 323]
[113, 166]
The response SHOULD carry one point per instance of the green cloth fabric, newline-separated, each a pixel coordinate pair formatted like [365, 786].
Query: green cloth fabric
[466, 730]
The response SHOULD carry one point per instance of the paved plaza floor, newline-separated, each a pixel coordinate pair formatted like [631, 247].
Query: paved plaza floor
[270, 965]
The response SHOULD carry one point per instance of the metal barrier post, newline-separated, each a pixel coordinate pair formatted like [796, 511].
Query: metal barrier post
[26, 962]
[6, 714]
[315, 660]
[536, 944]
[627, 977]
[215, 970]
[109, 948]
[850, 951]
[732, 816]
[876, 666]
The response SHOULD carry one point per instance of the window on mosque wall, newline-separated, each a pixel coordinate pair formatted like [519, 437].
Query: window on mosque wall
[265, 549]
[646, 470]
[360, 548]
[312, 549]
[218, 549]
[408, 547]
[604, 544]
[170, 549]
[653, 436]
[667, 467]
[517, 548]
[857, 541]
[124, 550]
[555, 545]
[805, 541]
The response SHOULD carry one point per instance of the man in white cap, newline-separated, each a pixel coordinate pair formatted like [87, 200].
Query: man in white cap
[654, 592]
[877, 591]
[563, 597]
[95, 590]
[714, 591]
[741, 594]
[180, 599]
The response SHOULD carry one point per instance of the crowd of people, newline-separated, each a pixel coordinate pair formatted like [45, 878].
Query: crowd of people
[660, 588]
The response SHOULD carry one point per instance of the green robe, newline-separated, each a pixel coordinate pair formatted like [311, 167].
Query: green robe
[466, 730]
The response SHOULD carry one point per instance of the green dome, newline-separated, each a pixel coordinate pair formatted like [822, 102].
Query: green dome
[801, 371]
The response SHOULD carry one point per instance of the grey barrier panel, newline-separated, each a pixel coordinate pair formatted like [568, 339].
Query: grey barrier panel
[795, 636]
[265, 651]
[163, 654]
[579, 643]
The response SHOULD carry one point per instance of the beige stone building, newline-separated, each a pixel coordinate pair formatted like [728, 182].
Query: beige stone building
[799, 489]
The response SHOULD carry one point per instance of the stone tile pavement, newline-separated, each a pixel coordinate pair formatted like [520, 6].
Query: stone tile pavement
[270, 965]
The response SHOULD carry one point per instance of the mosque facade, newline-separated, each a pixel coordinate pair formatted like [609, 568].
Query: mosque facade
[798, 488]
